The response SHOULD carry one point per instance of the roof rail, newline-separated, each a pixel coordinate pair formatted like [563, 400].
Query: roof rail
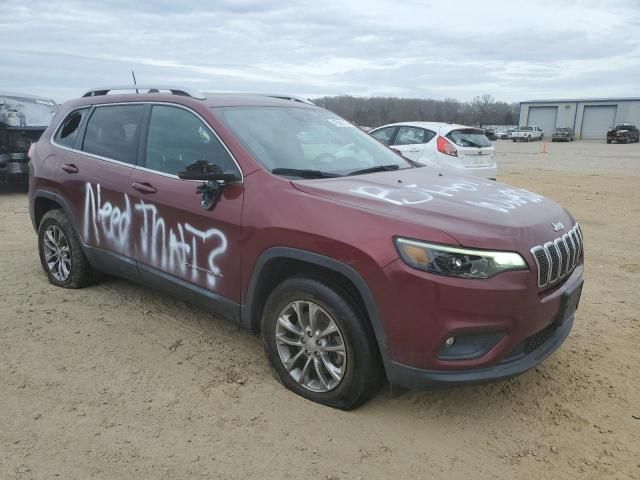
[293, 98]
[94, 92]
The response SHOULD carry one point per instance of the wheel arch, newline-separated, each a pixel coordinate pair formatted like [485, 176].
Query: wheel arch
[278, 263]
[43, 202]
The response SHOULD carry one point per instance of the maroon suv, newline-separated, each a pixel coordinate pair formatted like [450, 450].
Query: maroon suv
[353, 263]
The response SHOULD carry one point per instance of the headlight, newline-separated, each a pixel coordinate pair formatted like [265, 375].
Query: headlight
[457, 261]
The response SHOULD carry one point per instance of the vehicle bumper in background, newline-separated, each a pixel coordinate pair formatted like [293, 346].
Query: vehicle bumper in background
[11, 166]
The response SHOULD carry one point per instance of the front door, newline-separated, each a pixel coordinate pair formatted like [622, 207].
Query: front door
[174, 234]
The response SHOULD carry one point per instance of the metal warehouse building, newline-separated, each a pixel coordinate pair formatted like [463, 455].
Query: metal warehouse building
[590, 118]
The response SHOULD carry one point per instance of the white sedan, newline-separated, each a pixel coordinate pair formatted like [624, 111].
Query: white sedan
[464, 149]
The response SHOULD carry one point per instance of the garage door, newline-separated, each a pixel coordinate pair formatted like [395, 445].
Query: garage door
[596, 120]
[543, 117]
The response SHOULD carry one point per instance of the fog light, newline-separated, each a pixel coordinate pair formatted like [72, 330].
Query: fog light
[466, 346]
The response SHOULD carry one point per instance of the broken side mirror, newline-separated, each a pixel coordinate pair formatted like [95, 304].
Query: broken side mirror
[214, 181]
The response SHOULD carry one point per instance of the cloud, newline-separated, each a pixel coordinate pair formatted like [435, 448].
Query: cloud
[411, 48]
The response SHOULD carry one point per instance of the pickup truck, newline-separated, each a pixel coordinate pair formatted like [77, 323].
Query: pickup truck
[526, 134]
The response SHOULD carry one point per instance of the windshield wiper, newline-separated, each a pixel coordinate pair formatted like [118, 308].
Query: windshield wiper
[304, 173]
[378, 168]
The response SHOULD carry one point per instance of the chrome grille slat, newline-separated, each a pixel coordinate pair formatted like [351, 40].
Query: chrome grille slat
[557, 259]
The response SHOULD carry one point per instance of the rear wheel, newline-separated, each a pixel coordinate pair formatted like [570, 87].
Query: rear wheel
[528, 139]
[319, 344]
[61, 254]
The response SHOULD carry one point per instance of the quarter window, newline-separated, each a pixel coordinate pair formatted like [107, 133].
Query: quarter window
[68, 132]
[177, 138]
[113, 132]
[384, 135]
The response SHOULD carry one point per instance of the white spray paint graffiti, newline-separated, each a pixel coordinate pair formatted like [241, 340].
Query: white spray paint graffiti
[172, 249]
[501, 200]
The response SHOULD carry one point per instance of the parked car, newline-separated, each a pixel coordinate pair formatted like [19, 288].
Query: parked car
[502, 134]
[463, 149]
[490, 134]
[23, 118]
[528, 133]
[564, 134]
[623, 133]
[353, 263]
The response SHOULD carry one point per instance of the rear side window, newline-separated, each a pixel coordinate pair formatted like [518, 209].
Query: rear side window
[413, 135]
[469, 137]
[384, 135]
[68, 131]
[177, 138]
[113, 132]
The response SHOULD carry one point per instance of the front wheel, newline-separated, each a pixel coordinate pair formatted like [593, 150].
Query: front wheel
[319, 343]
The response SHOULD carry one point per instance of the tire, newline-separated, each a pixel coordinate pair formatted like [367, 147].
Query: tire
[359, 379]
[80, 273]
[514, 140]
[528, 139]
[608, 141]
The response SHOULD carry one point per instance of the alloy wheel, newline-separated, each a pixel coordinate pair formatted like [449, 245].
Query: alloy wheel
[310, 346]
[57, 253]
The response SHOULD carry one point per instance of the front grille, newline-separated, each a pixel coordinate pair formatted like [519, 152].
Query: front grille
[557, 259]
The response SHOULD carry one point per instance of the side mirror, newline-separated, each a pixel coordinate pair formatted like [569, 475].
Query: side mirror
[206, 172]
[214, 181]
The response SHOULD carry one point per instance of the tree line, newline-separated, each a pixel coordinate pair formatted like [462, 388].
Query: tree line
[376, 111]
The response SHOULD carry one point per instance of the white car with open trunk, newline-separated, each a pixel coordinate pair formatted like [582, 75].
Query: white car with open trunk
[467, 150]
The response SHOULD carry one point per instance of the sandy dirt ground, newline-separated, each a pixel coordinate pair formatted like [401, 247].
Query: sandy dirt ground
[117, 381]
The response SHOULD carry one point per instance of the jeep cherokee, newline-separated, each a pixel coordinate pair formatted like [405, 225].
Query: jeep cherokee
[354, 264]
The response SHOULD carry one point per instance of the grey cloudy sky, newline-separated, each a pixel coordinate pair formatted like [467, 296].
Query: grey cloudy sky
[512, 50]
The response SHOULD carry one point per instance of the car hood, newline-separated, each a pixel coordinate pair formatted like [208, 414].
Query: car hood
[475, 212]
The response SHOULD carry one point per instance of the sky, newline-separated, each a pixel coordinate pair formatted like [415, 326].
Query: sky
[511, 50]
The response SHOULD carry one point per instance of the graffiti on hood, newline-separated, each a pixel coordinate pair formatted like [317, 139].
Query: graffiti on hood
[499, 199]
[172, 248]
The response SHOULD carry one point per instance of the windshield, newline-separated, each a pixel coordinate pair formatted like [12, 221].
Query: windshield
[562, 130]
[469, 137]
[16, 111]
[307, 139]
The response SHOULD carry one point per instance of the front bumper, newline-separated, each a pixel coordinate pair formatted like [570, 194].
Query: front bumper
[516, 364]
[510, 308]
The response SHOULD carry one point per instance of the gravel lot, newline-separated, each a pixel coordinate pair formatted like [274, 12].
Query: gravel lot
[118, 381]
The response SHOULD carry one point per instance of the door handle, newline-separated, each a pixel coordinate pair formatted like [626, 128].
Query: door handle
[70, 168]
[144, 187]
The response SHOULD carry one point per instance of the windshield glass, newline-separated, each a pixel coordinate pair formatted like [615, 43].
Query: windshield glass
[469, 137]
[306, 139]
[562, 130]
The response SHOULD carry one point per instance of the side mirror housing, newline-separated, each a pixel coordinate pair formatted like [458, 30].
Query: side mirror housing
[206, 172]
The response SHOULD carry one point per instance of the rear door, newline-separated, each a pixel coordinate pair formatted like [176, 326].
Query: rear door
[175, 237]
[474, 148]
[411, 141]
[94, 178]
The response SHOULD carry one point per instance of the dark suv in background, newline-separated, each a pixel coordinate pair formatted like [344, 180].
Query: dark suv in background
[23, 118]
[353, 263]
[564, 134]
[623, 133]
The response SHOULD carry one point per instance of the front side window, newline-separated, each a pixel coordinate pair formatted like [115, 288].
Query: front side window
[113, 132]
[177, 138]
[308, 139]
[68, 132]
[384, 135]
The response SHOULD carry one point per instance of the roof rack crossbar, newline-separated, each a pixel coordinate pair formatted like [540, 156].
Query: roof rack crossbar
[94, 92]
